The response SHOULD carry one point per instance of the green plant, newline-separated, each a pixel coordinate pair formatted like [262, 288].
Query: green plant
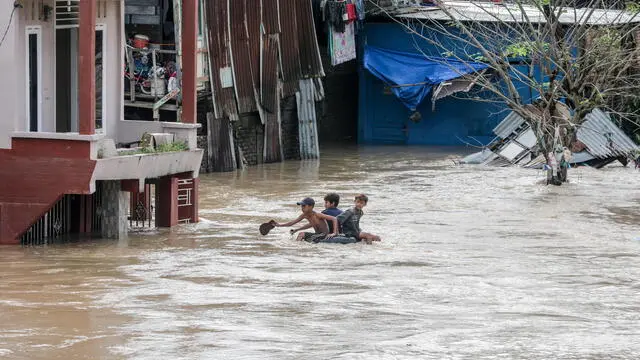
[175, 146]
[163, 148]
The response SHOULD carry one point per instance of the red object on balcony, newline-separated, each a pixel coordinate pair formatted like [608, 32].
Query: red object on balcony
[351, 12]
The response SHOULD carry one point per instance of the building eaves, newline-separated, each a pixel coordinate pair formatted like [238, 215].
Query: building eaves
[482, 11]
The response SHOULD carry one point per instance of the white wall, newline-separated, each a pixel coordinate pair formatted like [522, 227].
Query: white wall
[114, 66]
[13, 61]
[10, 56]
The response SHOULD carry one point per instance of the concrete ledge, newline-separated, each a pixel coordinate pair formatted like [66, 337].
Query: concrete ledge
[132, 130]
[56, 136]
[146, 166]
[177, 125]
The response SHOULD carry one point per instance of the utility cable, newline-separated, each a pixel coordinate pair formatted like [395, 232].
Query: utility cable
[8, 25]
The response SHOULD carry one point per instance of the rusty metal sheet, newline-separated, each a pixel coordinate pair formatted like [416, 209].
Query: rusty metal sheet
[241, 58]
[269, 79]
[271, 98]
[270, 17]
[223, 149]
[289, 47]
[307, 124]
[220, 57]
[273, 138]
[289, 88]
[310, 62]
[252, 13]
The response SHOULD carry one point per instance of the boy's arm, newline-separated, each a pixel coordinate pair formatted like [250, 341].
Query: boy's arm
[292, 222]
[333, 220]
[344, 216]
[304, 227]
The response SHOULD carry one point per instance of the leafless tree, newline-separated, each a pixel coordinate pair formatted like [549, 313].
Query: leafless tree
[575, 56]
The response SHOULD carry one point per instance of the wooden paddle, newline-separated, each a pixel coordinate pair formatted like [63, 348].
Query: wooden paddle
[266, 227]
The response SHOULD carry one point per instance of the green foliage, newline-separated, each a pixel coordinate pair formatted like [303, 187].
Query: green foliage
[525, 49]
[609, 38]
[171, 147]
[175, 146]
[632, 7]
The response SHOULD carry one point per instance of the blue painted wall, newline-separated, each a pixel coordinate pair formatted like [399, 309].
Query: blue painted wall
[382, 119]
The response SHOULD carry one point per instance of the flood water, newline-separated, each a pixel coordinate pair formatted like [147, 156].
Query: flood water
[475, 263]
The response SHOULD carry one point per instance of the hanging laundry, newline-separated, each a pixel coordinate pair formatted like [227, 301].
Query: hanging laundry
[360, 9]
[336, 10]
[342, 45]
[351, 12]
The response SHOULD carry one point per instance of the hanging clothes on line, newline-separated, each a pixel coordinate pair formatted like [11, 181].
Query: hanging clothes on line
[342, 45]
[360, 9]
[336, 10]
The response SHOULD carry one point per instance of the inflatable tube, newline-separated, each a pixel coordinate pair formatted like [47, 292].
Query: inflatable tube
[339, 240]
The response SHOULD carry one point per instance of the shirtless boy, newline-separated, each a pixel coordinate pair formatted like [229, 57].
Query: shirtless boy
[317, 220]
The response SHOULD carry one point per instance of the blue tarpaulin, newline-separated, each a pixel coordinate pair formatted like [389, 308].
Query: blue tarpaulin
[412, 76]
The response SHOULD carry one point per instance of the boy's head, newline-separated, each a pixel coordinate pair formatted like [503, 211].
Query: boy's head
[361, 201]
[307, 204]
[331, 200]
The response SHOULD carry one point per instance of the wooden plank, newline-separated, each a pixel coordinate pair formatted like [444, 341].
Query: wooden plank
[147, 105]
[166, 98]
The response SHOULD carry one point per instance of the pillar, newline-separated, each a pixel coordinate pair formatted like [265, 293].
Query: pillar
[167, 202]
[189, 60]
[115, 204]
[87, 67]
[194, 200]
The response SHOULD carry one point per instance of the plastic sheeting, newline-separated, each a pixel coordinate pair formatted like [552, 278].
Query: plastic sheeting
[412, 76]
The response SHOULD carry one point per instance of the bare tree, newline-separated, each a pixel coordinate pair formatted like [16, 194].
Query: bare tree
[574, 55]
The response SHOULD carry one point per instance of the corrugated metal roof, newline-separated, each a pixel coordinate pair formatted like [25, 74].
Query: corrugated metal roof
[252, 23]
[256, 45]
[270, 16]
[270, 96]
[310, 61]
[603, 138]
[220, 57]
[508, 125]
[269, 72]
[241, 59]
[484, 11]
[289, 47]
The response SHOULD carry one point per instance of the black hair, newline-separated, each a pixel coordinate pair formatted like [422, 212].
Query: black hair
[332, 198]
[362, 197]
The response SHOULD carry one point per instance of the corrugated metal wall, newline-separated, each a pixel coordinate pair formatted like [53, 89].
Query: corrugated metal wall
[268, 46]
[223, 150]
[240, 57]
[220, 54]
[311, 64]
[289, 47]
[307, 125]
[271, 98]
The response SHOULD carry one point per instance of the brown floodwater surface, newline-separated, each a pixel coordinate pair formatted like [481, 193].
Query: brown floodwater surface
[475, 263]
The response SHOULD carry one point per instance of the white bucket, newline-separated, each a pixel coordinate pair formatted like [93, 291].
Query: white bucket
[158, 87]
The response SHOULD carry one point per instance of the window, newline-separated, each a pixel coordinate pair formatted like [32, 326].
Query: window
[34, 78]
[100, 78]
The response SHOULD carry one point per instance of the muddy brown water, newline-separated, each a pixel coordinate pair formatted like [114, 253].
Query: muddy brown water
[475, 263]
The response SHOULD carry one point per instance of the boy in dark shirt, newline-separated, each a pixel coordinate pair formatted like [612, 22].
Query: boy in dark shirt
[331, 202]
[316, 220]
[350, 221]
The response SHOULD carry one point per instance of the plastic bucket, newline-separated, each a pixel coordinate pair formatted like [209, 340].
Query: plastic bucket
[140, 41]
